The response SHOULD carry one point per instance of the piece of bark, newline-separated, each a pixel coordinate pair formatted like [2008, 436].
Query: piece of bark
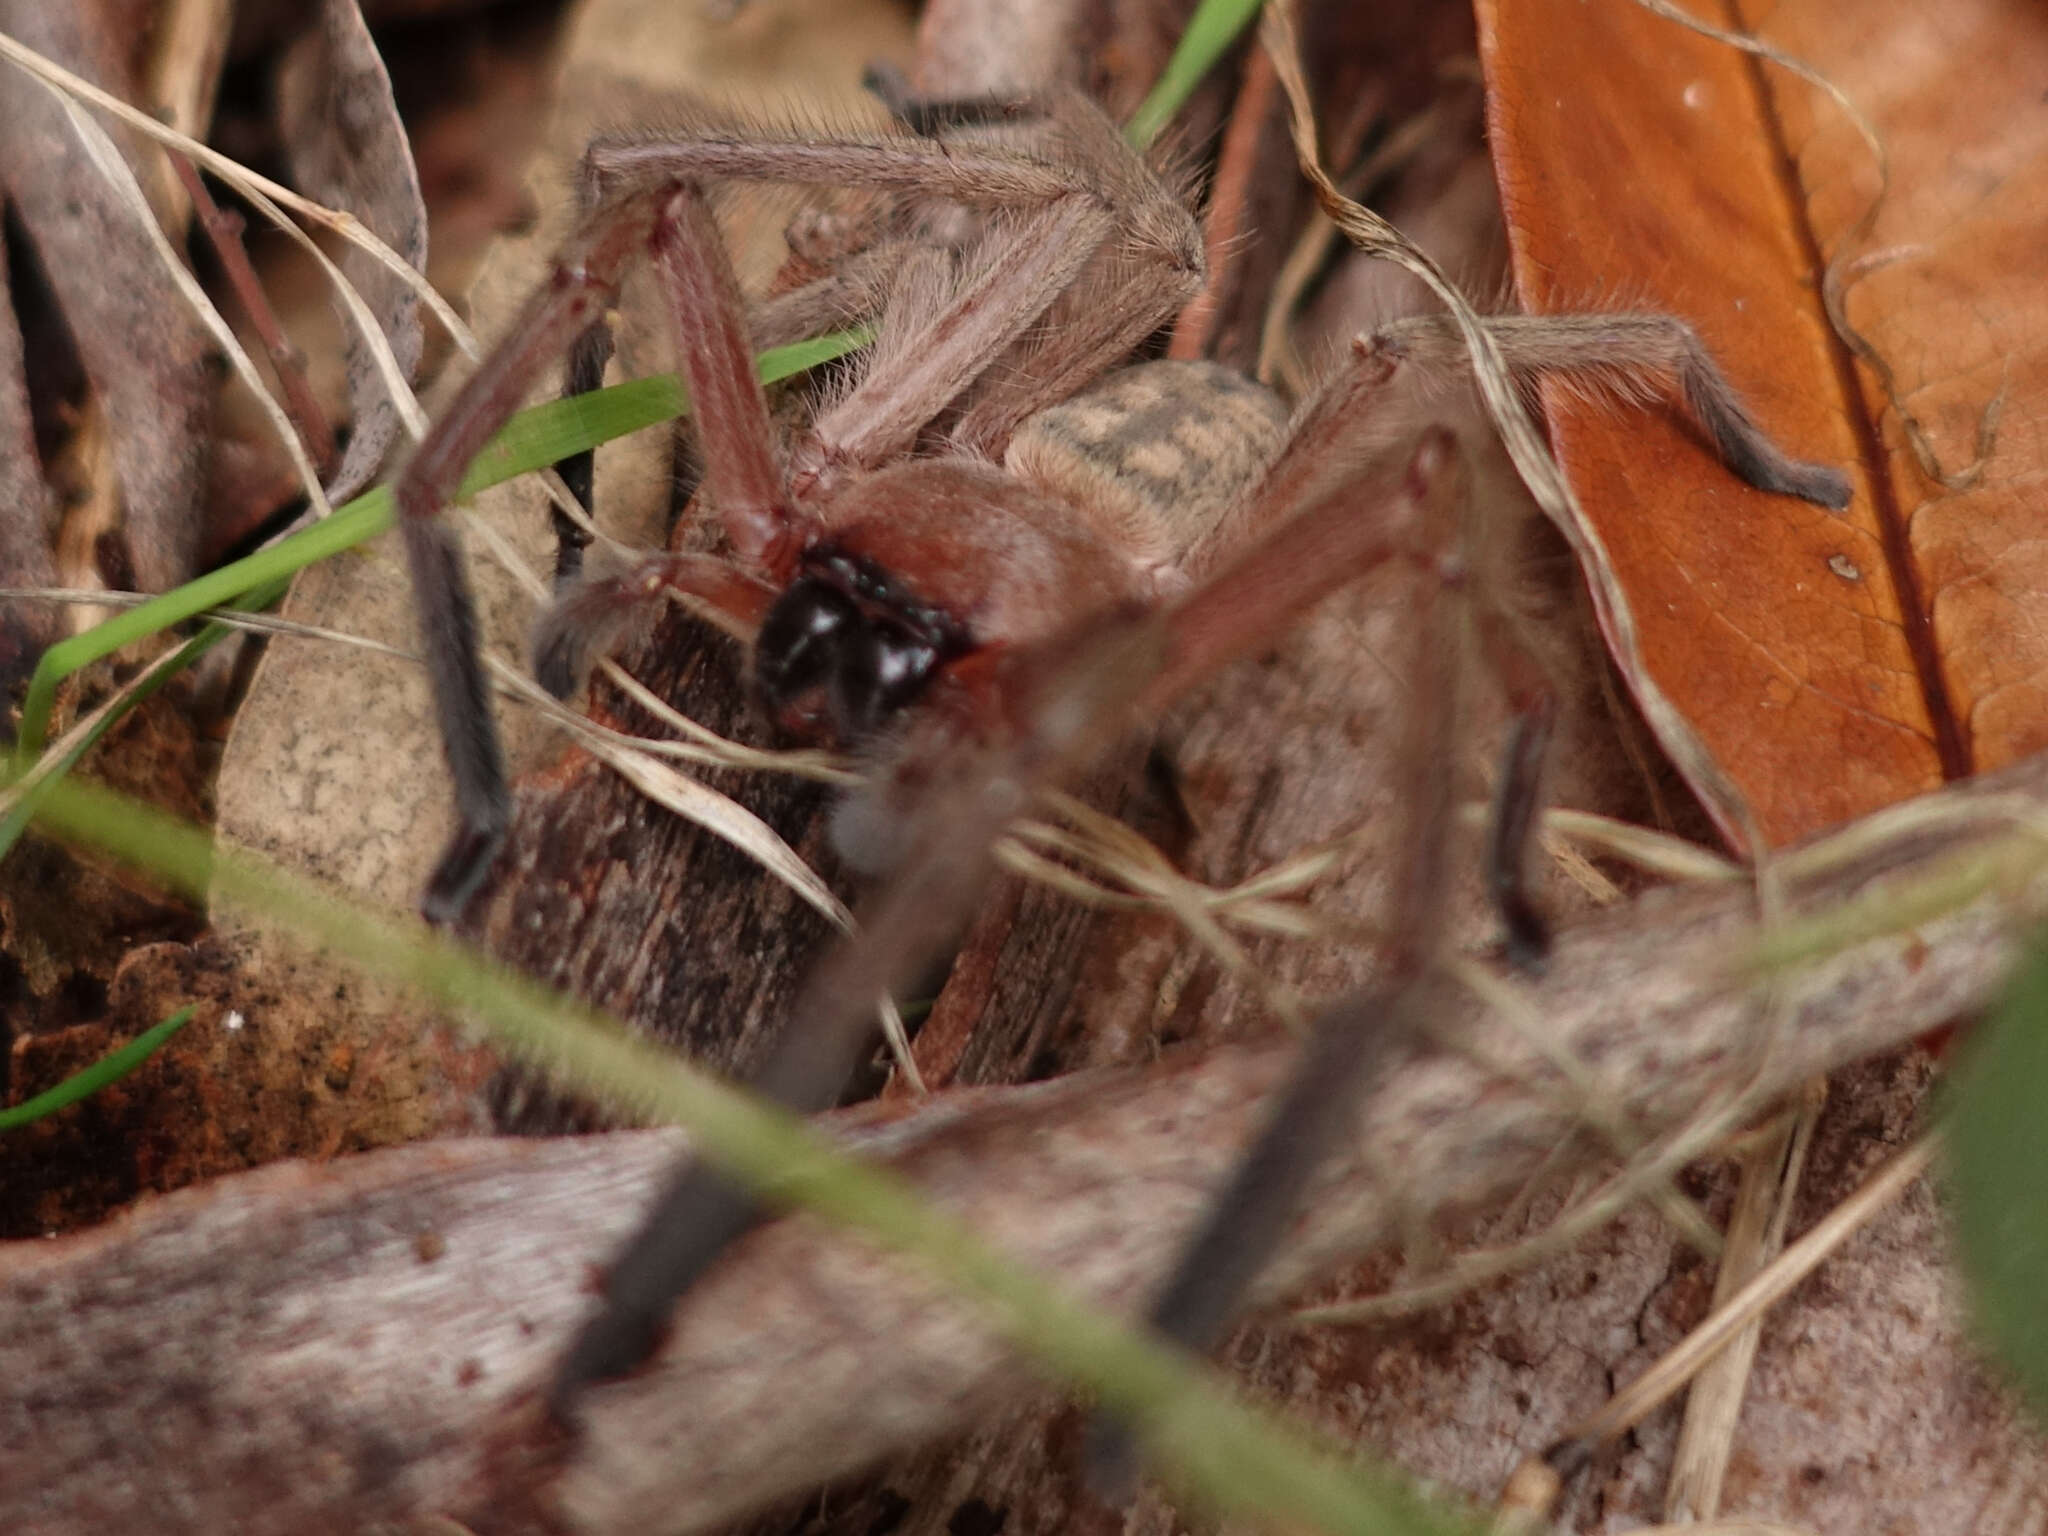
[310, 1349]
[618, 900]
[28, 529]
[152, 364]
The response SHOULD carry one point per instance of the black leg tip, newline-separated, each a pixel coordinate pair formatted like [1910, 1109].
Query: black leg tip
[1528, 936]
[1568, 1458]
[558, 655]
[1768, 470]
[1816, 483]
[1109, 1462]
[463, 869]
[613, 1344]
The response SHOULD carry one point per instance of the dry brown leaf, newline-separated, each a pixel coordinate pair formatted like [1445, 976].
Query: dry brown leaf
[1948, 297]
[349, 150]
[151, 364]
[28, 513]
[1299, 790]
[1833, 664]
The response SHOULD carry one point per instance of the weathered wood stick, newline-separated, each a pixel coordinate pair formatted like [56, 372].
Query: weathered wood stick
[311, 1348]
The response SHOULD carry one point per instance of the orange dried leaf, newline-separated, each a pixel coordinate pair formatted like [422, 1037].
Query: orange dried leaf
[1831, 664]
[1951, 298]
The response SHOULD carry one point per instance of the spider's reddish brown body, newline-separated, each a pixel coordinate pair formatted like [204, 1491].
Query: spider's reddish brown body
[991, 549]
[868, 572]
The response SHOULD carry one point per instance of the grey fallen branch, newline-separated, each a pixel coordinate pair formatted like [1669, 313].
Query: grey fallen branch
[315, 1348]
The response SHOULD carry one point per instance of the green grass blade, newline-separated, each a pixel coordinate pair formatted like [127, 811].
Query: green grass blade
[1997, 1137]
[108, 1069]
[1228, 1456]
[22, 811]
[532, 440]
[1215, 25]
[367, 515]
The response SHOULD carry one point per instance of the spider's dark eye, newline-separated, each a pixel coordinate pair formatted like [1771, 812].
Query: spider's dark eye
[800, 641]
[836, 664]
[881, 669]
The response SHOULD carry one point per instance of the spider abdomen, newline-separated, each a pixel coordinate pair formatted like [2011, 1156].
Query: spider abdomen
[1154, 454]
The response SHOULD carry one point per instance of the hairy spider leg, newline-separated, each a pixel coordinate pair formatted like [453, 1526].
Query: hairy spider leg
[1129, 288]
[1631, 357]
[1355, 1041]
[717, 360]
[1055, 704]
[955, 321]
[655, 198]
